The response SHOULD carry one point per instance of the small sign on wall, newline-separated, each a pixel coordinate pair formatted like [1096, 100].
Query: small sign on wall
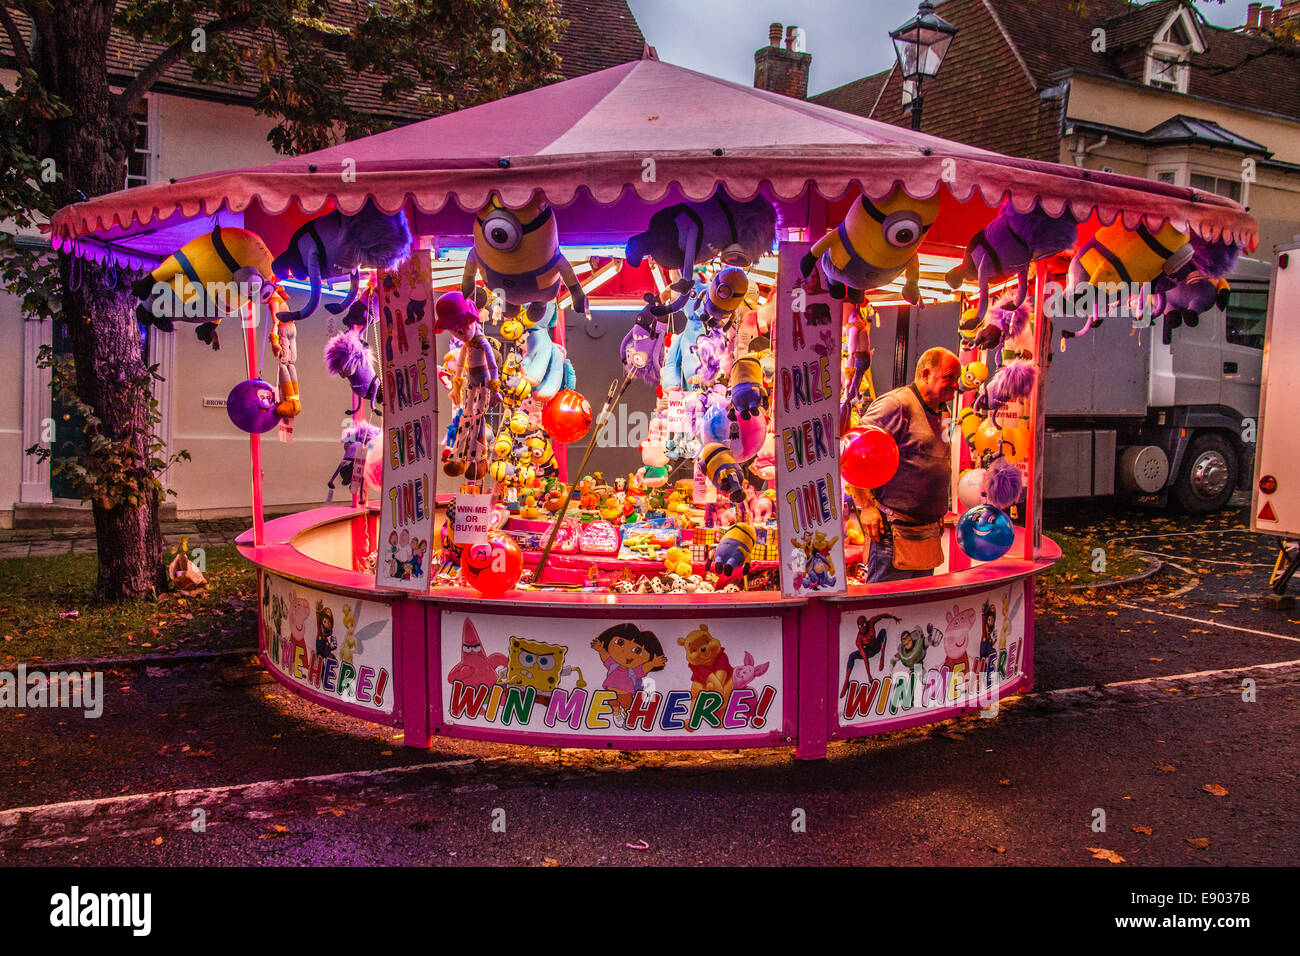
[210, 402]
[473, 519]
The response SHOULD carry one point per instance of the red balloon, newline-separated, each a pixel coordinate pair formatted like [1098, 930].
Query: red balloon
[567, 416]
[492, 569]
[869, 459]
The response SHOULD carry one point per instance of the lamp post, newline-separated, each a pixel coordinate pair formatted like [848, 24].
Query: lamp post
[920, 45]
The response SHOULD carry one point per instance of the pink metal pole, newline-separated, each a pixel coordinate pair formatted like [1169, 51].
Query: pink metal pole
[1037, 433]
[254, 440]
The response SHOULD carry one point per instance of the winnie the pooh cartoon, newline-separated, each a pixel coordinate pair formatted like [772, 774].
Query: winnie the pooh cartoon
[710, 669]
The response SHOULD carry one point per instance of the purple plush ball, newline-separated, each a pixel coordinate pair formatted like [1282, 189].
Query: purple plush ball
[251, 406]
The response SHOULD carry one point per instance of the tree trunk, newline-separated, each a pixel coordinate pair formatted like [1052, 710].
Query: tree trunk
[89, 148]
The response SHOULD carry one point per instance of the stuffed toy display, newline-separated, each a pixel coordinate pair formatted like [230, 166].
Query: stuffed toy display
[206, 280]
[874, 245]
[545, 364]
[357, 439]
[284, 344]
[643, 346]
[1115, 255]
[1008, 245]
[708, 309]
[348, 356]
[689, 234]
[1197, 287]
[517, 253]
[475, 386]
[336, 245]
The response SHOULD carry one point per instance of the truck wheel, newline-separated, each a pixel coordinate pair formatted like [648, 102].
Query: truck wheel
[1208, 476]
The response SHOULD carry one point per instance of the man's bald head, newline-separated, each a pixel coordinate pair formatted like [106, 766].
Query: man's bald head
[937, 372]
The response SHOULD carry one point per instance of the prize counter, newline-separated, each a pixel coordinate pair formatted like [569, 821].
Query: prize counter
[798, 672]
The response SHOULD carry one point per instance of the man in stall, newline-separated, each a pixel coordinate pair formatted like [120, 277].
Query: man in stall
[904, 518]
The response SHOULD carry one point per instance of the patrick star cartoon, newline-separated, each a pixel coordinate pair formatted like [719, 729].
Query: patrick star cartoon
[475, 666]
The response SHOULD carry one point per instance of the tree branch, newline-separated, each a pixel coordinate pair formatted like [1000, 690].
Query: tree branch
[22, 58]
[169, 57]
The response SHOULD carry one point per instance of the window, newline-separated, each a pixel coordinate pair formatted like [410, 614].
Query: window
[1247, 318]
[139, 161]
[1167, 71]
[1220, 185]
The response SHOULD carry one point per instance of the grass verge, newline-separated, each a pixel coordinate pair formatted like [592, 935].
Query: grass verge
[36, 590]
[1079, 562]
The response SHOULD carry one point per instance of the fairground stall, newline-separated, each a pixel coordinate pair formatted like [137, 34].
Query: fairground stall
[609, 343]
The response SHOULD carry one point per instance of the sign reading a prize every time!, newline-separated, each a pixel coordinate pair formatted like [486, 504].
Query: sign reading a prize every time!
[807, 431]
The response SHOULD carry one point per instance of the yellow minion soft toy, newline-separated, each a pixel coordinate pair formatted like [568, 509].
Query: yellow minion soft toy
[875, 244]
[207, 279]
[1117, 255]
[517, 252]
[727, 290]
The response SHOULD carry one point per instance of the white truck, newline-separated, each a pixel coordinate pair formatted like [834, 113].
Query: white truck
[1275, 505]
[1126, 414]
[1177, 423]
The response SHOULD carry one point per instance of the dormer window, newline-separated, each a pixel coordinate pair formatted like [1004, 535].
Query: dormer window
[1166, 72]
[1167, 60]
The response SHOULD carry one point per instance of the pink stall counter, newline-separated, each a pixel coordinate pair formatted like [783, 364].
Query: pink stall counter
[797, 672]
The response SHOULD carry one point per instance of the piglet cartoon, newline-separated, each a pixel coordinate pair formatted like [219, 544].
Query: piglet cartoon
[744, 674]
[956, 639]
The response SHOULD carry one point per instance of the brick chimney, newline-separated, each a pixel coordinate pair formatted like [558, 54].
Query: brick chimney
[1266, 18]
[782, 69]
[1252, 16]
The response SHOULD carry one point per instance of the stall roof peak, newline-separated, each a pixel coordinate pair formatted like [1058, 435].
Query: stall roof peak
[649, 128]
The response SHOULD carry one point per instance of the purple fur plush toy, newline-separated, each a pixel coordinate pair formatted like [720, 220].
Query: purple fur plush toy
[1007, 246]
[1006, 320]
[1195, 288]
[348, 356]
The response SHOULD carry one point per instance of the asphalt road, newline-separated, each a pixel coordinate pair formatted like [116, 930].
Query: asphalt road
[1111, 727]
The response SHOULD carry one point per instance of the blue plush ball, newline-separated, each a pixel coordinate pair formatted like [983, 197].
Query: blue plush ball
[985, 533]
[251, 406]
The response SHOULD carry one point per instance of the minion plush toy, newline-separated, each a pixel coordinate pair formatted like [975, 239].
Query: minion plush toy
[874, 245]
[1116, 254]
[205, 280]
[721, 469]
[707, 308]
[748, 396]
[732, 553]
[517, 251]
[689, 234]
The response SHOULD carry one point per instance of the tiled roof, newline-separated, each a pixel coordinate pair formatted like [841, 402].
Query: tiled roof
[1008, 51]
[858, 97]
[601, 34]
[1137, 25]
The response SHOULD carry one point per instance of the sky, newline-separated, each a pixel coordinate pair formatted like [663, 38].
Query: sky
[848, 39]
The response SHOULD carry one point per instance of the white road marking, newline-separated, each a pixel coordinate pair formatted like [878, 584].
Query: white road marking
[1221, 672]
[1197, 620]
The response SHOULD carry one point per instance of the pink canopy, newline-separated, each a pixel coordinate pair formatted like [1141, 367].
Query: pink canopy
[599, 133]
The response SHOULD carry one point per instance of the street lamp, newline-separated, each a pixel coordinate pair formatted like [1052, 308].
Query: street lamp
[920, 45]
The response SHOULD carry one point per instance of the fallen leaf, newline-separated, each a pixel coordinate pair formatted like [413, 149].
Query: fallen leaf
[157, 841]
[996, 849]
[1215, 789]
[1146, 830]
[550, 861]
[1200, 843]
[1110, 856]
[1166, 767]
[1004, 783]
[1156, 659]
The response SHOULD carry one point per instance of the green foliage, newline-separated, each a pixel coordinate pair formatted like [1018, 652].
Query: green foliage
[108, 470]
[305, 64]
